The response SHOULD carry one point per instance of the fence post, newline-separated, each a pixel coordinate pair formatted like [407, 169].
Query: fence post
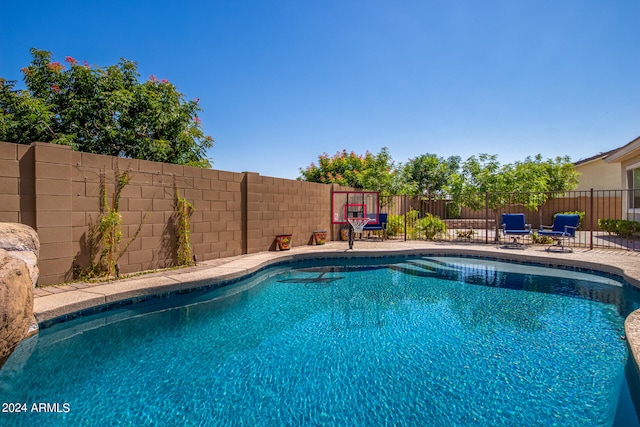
[591, 220]
[486, 218]
[404, 209]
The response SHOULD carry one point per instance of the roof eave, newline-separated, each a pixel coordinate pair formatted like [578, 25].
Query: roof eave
[625, 152]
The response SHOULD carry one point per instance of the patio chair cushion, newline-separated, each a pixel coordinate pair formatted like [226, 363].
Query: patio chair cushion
[514, 224]
[564, 225]
[381, 224]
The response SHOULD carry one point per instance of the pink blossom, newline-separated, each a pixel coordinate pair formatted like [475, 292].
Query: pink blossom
[55, 88]
[70, 60]
[55, 66]
[197, 119]
[85, 63]
[164, 81]
[153, 78]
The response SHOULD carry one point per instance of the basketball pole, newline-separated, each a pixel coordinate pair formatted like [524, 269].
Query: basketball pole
[350, 225]
[351, 235]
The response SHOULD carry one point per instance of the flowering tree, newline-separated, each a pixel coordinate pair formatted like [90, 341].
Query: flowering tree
[103, 110]
[368, 171]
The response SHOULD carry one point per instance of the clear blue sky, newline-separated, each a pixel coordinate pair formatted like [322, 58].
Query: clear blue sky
[281, 82]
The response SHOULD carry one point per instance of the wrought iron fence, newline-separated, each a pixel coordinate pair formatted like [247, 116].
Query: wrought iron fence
[606, 217]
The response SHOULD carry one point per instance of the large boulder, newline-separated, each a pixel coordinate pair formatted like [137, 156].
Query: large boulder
[19, 246]
[21, 241]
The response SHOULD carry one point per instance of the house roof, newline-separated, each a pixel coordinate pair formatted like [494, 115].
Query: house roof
[598, 156]
[626, 151]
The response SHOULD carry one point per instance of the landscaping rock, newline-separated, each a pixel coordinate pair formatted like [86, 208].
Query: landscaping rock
[16, 303]
[21, 241]
[19, 247]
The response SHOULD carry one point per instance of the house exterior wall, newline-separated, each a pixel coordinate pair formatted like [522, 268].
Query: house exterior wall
[598, 175]
[632, 162]
[628, 158]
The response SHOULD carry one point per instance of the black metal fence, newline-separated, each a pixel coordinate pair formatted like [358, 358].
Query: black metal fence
[606, 217]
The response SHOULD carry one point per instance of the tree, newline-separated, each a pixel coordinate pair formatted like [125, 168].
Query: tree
[484, 181]
[542, 180]
[530, 183]
[429, 174]
[102, 110]
[368, 171]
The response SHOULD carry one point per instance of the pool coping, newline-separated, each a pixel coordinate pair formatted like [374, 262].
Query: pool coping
[54, 302]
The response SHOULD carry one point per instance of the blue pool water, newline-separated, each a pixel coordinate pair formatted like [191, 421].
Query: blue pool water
[438, 341]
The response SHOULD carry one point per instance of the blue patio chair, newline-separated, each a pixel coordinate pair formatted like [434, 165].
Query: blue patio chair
[513, 225]
[380, 225]
[563, 228]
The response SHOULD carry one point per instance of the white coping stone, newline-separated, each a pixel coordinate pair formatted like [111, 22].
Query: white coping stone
[56, 305]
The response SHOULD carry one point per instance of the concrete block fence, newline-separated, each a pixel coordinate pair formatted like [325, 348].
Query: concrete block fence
[57, 191]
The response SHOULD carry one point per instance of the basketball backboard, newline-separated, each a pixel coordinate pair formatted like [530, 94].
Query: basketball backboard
[350, 204]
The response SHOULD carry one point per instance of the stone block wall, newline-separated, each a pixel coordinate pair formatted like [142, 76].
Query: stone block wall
[57, 191]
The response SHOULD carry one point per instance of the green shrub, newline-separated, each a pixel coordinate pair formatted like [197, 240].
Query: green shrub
[395, 225]
[619, 227]
[466, 234]
[412, 221]
[607, 225]
[453, 210]
[541, 240]
[431, 226]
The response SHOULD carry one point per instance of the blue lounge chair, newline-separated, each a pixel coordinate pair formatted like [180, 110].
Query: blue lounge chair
[380, 225]
[564, 227]
[513, 225]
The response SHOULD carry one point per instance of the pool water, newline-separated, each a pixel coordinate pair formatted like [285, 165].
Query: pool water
[439, 341]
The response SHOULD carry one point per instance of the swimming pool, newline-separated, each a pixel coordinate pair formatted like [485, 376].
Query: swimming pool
[404, 340]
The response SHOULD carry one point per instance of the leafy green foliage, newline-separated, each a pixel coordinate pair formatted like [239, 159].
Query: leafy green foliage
[484, 182]
[110, 227]
[395, 225]
[484, 174]
[540, 180]
[184, 210]
[429, 174]
[411, 220]
[453, 210]
[369, 171]
[466, 234]
[427, 227]
[103, 110]
[541, 240]
[619, 227]
[430, 226]
[106, 235]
